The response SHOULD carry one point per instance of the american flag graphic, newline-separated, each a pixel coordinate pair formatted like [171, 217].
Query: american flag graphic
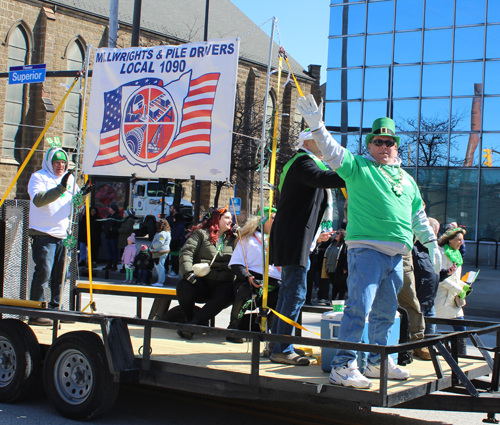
[110, 131]
[195, 130]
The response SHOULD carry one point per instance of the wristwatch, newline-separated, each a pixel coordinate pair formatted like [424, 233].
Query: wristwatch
[191, 278]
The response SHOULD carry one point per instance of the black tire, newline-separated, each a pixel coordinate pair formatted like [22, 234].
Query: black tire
[176, 315]
[76, 376]
[20, 361]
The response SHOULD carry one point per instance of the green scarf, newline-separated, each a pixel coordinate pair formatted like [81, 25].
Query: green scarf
[454, 255]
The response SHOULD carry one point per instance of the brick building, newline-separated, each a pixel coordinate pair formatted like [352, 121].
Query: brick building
[58, 33]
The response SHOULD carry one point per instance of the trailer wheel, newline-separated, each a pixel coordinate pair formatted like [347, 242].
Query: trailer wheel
[20, 360]
[77, 378]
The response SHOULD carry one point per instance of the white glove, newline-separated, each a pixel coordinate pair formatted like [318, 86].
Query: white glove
[311, 113]
[435, 254]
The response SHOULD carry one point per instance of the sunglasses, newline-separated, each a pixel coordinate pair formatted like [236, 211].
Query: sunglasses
[380, 142]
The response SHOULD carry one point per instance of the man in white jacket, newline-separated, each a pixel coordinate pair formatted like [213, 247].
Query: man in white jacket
[51, 196]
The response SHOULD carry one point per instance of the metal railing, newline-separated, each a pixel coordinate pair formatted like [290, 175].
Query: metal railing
[487, 240]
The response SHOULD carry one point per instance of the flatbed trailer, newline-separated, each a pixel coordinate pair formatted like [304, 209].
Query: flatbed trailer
[85, 360]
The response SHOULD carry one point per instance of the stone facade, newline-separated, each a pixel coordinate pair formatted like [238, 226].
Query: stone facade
[50, 31]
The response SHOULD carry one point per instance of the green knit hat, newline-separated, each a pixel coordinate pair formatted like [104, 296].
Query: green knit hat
[265, 217]
[383, 127]
[60, 156]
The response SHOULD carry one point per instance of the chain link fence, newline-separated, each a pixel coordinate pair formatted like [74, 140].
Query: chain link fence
[17, 261]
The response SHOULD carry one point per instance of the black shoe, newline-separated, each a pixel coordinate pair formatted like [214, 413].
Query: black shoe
[113, 268]
[108, 267]
[82, 263]
[235, 339]
[39, 321]
[185, 334]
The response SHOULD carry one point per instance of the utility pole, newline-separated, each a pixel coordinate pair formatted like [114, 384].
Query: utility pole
[113, 23]
[197, 183]
[136, 23]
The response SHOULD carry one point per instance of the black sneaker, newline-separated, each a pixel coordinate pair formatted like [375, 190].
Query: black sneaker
[185, 334]
[235, 339]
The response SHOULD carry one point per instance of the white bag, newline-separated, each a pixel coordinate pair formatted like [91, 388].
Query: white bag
[201, 269]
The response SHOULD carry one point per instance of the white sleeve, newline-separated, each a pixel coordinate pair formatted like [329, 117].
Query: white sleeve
[422, 228]
[333, 152]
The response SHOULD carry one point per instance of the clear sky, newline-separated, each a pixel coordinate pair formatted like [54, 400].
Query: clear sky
[303, 27]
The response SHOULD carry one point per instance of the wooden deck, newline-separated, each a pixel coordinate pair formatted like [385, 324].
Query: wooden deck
[213, 352]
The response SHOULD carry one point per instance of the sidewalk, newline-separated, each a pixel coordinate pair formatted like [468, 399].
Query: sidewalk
[484, 299]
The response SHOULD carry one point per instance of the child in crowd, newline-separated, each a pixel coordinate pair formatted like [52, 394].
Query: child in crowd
[128, 258]
[143, 263]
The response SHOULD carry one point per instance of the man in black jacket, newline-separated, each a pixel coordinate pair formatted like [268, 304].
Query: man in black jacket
[296, 229]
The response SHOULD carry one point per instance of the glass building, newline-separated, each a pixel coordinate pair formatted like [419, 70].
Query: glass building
[434, 67]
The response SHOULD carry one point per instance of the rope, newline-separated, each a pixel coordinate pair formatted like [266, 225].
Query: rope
[256, 28]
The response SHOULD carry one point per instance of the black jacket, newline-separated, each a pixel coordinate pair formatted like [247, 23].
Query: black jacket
[426, 279]
[111, 225]
[300, 210]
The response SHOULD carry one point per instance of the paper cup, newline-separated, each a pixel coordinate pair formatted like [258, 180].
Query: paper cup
[338, 305]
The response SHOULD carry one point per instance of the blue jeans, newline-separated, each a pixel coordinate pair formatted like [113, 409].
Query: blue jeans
[291, 298]
[459, 328]
[374, 282]
[160, 268]
[142, 276]
[112, 248]
[48, 256]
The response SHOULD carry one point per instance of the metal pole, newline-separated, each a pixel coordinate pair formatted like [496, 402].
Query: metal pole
[197, 183]
[113, 23]
[136, 23]
[263, 140]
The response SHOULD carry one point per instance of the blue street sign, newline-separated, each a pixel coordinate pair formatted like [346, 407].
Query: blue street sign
[27, 74]
[235, 206]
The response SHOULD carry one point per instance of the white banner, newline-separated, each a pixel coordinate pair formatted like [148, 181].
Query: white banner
[164, 111]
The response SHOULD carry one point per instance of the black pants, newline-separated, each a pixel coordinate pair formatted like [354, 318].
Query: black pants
[339, 287]
[244, 293]
[216, 296]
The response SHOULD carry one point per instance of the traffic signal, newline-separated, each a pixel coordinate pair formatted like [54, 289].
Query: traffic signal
[488, 162]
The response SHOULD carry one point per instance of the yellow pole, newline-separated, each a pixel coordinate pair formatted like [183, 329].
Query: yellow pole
[32, 151]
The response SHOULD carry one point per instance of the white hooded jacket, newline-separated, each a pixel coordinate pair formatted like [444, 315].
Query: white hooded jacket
[51, 216]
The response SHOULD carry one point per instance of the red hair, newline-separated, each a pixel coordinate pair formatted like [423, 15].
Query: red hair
[212, 225]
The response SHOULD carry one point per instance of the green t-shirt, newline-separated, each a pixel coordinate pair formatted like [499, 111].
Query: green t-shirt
[375, 212]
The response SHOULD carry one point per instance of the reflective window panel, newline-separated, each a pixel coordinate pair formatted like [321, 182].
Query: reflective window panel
[437, 45]
[493, 42]
[353, 143]
[438, 13]
[409, 15]
[405, 114]
[343, 116]
[344, 52]
[466, 114]
[350, 18]
[407, 150]
[435, 109]
[469, 43]
[372, 111]
[462, 199]
[436, 80]
[408, 47]
[380, 16]
[464, 150]
[490, 150]
[433, 148]
[406, 81]
[432, 184]
[379, 49]
[467, 78]
[490, 118]
[491, 80]
[493, 11]
[489, 204]
[470, 11]
[377, 83]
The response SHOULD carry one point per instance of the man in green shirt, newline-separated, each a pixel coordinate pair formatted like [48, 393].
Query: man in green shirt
[385, 211]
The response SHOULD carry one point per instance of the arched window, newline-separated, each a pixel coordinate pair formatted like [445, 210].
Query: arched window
[271, 105]
[14, 95]
[75, 56]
